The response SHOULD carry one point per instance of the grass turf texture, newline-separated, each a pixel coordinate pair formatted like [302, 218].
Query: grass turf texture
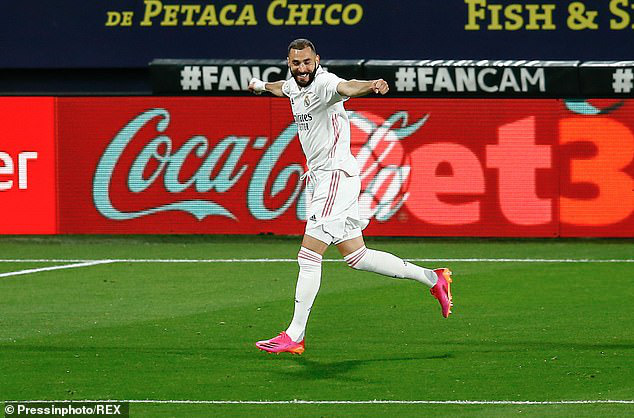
[173, 331]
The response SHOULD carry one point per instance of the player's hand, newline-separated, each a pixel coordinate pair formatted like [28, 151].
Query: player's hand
[380, 86]
[256, 86]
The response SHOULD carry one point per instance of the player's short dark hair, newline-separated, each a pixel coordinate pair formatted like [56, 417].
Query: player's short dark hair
[300, 44]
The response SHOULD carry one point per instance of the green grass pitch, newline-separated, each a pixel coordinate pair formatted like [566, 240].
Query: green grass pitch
[521, 331]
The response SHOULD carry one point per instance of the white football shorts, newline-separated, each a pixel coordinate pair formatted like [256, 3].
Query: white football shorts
[333, 207]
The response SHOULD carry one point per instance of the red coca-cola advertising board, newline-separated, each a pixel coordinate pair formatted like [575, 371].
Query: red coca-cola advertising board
[429, 167]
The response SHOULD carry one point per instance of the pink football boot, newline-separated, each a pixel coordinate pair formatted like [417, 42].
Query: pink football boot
[442, 290]
[280, 344]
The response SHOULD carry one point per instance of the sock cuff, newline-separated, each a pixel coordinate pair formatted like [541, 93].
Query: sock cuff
[306, 255]
[353, 258]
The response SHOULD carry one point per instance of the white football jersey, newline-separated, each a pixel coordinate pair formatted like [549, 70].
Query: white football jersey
[322, 123]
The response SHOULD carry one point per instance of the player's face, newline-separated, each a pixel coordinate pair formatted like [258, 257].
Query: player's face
[303, 64]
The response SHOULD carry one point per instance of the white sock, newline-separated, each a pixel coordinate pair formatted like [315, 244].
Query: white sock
[308, 282]
[389, 265]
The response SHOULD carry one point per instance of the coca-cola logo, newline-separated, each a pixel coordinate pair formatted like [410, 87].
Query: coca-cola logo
[385, 165]
[376, 142]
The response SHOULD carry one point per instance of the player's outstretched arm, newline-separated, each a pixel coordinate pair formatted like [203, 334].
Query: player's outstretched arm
[356, 88]
[258, 86]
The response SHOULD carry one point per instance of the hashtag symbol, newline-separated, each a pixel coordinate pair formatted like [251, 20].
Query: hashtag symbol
[405, 79]
[190, 77]
[622, 80]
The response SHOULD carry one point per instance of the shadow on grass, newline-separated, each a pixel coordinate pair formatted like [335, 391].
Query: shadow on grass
[323, 370]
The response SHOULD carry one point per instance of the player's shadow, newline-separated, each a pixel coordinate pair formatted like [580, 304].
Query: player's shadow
[318, 370]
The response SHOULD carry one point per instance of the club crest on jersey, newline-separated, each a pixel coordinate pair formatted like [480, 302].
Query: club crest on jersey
[306, 101]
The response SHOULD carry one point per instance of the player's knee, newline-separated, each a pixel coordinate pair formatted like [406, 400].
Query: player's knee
[308, 259]
[358, 260]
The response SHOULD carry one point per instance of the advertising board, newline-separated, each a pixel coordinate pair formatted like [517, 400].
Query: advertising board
[131, 33]
[27, 166]
[430, 167]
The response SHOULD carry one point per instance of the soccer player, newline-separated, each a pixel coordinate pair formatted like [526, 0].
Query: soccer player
[333, 183]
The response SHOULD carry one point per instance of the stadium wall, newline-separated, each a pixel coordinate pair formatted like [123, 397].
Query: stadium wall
[430, 166]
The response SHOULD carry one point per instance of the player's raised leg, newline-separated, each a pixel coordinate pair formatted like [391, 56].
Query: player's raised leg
[359, 257]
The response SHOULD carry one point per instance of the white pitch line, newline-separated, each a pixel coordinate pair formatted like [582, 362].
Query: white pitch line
[343, 402]
[294, 260]
[65, 266]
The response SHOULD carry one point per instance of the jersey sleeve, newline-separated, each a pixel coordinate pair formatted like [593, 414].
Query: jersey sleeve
[327, 88]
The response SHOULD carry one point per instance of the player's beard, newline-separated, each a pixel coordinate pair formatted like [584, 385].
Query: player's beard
[311, 77]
